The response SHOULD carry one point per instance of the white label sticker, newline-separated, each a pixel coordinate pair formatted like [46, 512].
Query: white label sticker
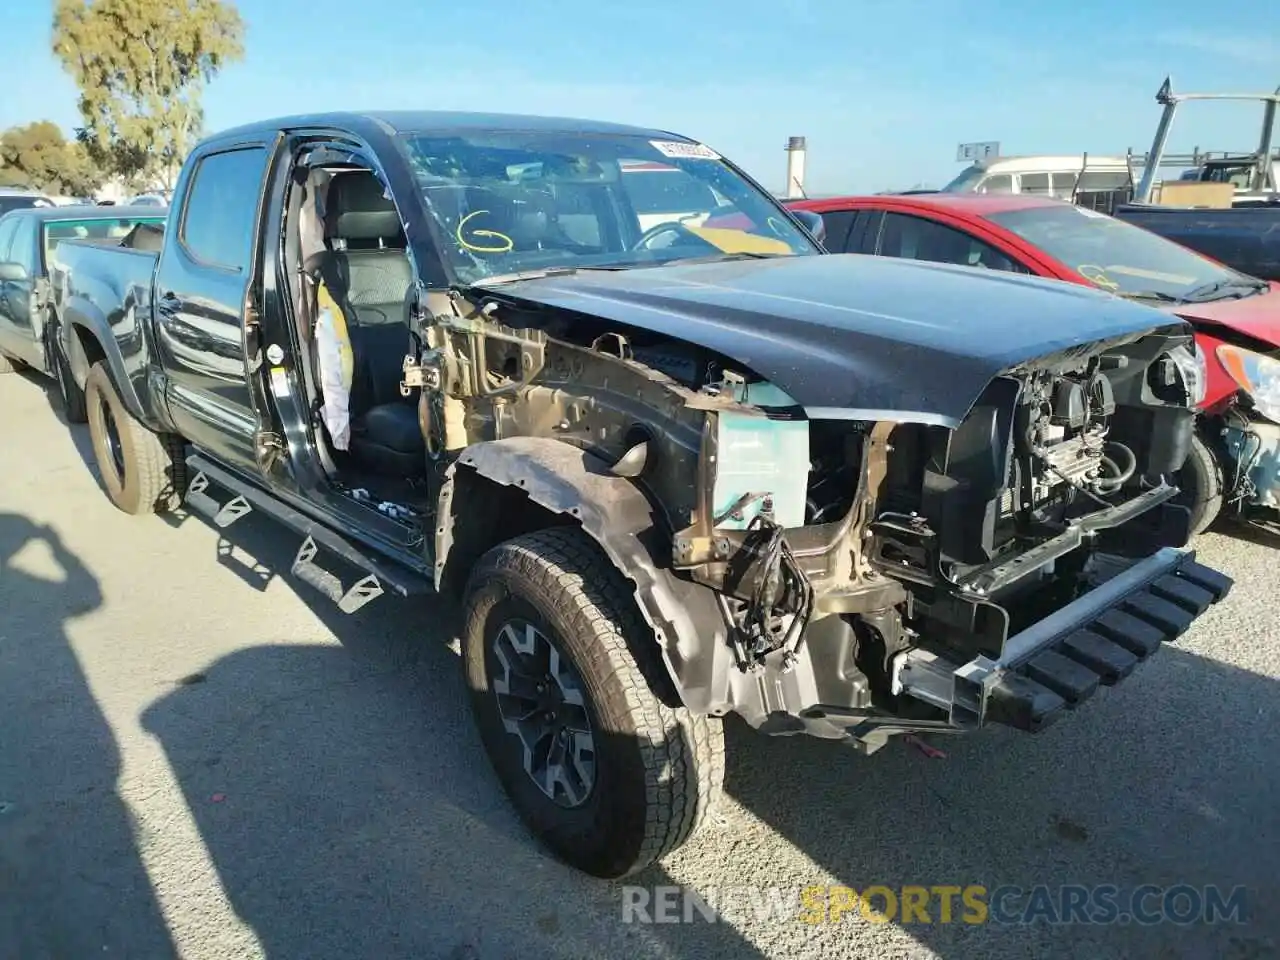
[681, 151]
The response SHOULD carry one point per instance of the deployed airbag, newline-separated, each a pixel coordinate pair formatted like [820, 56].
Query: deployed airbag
[337, 366]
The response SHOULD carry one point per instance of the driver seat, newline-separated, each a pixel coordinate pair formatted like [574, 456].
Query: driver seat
[514, 218]
[366, 269]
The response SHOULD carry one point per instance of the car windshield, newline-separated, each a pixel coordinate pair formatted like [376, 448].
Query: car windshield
[966, 181]
[101, 229]
[1117, 256]
[510, 202]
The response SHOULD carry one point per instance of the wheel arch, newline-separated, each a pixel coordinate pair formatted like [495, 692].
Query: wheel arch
[501, 489]
[96, 343]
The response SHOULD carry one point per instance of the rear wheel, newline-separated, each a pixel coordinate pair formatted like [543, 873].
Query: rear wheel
[73, 400]
[576, 710]
[142, 471]
[1200, 485]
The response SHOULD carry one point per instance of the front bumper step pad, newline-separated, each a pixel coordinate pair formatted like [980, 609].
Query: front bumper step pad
[1137, 636]
[1104, 651]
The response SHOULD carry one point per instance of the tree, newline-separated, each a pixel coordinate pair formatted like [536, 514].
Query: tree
[141, 67]
[39, 156]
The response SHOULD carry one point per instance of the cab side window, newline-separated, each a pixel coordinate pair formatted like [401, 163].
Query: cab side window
[217, 222]
[916, 238]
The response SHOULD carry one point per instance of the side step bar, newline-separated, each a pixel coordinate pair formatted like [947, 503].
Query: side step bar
[1056, 664]
[380, 574]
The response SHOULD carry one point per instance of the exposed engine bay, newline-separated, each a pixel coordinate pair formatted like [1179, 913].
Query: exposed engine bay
[839, 540]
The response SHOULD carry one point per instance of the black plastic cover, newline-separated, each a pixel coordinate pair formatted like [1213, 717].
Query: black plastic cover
[1111, 662]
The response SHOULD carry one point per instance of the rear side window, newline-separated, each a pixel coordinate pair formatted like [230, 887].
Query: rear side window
[222, 208]
[1035, 183]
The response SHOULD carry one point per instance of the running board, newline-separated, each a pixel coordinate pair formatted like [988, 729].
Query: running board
[349, 601]
[380, 574]
[221, 515]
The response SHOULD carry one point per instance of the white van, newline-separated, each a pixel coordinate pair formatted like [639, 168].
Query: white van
[1046, 176]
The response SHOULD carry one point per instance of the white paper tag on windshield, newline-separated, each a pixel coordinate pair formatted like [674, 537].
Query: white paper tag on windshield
[684, 151]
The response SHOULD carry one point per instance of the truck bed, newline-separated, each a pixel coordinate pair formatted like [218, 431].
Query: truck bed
[90, 274]
[1246, 238]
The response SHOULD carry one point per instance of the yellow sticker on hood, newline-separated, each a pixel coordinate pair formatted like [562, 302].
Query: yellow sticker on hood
[1149, 274]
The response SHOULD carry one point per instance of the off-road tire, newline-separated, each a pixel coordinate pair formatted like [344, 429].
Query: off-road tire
[1200, 485]
[659, 768]
[74, 407]
[10, 365]
[154, 474]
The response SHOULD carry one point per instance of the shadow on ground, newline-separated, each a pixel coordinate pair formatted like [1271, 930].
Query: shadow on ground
[1265, 533]
[79, 435]
[1165, 780]
[344, 798]
[71, 881]
[356, 815]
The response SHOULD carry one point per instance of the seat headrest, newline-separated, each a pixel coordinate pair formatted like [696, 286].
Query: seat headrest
[518, 218]
[356, 209]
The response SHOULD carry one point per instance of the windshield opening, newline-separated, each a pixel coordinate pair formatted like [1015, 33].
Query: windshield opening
[1116, 256]
[512, 202]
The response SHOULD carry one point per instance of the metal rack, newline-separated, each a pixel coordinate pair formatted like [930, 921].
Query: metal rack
[1261, 180]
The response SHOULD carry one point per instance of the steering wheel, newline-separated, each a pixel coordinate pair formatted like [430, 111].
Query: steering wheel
[671, 226]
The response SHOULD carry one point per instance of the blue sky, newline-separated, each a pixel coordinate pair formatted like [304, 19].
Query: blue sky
[882, 89]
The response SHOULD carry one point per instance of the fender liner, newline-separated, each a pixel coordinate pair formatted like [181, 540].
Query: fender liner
[80, 313]
[686, 617]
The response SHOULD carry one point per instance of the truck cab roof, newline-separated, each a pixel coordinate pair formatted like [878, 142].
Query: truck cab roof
[395, 122]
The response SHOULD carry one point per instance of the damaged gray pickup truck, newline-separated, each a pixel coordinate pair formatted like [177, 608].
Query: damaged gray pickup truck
[676, 460]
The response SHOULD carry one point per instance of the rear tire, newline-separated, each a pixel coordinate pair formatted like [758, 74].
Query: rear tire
[143, 472]
[655, 768]
[74, 406]
[1200, 485]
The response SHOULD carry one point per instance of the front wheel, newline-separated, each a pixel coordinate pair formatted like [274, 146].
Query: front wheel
[142, 471]
[576, 711]
[1199, 485]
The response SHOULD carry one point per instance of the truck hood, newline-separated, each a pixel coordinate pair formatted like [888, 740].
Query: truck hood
[1257, 316]
[850, 335]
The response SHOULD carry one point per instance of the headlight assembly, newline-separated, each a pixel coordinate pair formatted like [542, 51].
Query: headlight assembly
[1257, 375]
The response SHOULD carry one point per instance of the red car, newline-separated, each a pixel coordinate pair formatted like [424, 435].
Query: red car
[1236, 458]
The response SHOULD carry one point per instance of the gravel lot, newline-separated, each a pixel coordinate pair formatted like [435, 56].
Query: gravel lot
[198, 759]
